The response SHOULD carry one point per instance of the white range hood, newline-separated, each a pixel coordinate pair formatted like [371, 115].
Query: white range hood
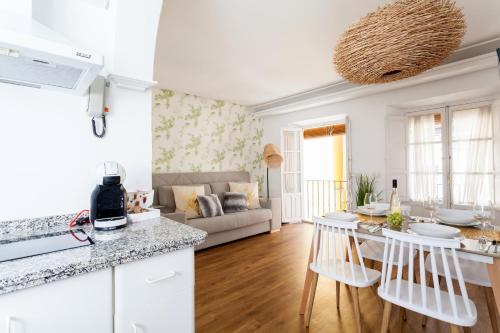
[35, 56]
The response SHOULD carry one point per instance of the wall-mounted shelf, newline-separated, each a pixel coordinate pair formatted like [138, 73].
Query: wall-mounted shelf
[131, 83]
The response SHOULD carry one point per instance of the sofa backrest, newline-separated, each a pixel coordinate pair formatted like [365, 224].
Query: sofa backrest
[215, 182]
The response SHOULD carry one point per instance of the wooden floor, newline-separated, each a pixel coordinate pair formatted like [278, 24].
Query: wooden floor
[255, 285]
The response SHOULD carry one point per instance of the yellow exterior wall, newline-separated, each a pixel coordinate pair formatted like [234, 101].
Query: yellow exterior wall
[338, 157]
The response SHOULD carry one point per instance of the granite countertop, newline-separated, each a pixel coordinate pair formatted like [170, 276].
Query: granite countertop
[137, 241]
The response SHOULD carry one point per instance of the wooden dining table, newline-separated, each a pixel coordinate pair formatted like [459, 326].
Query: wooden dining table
[470, 249]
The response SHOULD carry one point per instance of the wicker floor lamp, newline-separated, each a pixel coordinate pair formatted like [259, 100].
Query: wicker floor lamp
[272, 159]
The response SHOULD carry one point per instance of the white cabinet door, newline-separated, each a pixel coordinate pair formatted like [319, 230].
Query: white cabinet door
[156, 295]
[81, 304]
[291, 174]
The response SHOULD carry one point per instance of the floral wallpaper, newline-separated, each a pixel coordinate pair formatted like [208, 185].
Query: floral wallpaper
[193, 134]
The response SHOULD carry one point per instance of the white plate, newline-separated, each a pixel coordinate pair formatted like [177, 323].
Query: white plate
[455, 216]
[470, 224]
[435, 230]
[459, 237]
[341, 216]
[362, 210]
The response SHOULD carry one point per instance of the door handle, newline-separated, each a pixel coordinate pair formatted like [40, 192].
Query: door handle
[170, 275]
[135, 327]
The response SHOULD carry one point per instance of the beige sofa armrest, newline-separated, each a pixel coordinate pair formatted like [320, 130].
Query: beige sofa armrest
[264, 203]
[176, 216]
[274, 204]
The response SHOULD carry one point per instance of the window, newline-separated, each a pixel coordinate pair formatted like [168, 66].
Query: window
[450, 155]
[425, 157]
[471, 156]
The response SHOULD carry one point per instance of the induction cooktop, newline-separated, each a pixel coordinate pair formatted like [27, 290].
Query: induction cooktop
[29, 246]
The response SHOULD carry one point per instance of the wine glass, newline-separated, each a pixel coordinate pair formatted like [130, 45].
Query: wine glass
[405, 211]
[484, 213]
[349, 199]
[370, 201]
[431, 204]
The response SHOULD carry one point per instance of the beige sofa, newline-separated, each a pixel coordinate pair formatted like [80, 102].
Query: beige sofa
[220, 229]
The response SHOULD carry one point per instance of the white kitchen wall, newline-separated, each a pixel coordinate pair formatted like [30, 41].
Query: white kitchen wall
[48, 151]
[367, 118]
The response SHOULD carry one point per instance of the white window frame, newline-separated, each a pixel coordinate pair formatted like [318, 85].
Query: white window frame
[444, 151]
[450, 109]
[446, 111]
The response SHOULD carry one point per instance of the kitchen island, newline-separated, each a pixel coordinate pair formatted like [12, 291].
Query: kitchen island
[136, 279]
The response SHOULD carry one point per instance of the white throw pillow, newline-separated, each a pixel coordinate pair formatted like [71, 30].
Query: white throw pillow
[186, 200]
[251, 191]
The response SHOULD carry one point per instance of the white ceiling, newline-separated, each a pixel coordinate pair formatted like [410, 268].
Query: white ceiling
[251, 52]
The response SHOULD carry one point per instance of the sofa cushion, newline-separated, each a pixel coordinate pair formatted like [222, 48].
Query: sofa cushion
[234, 202]
[166, 196]
[186, 199]
[231, 221]
[251, 191]
[219, 188]
[210, 205]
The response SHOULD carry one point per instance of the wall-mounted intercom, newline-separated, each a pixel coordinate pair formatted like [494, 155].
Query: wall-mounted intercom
[97, 108]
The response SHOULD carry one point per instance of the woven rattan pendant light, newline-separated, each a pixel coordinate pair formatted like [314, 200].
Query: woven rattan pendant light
[399, 40]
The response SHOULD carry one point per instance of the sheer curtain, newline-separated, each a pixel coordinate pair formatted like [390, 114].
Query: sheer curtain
[424, 157]
[472, 155]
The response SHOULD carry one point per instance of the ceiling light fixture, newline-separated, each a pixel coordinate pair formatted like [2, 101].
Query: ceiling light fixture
[399, 40]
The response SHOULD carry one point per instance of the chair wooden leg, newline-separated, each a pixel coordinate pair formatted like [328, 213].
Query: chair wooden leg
[386, 317]
[374, 288]
[308, 279]
[492, 310]
[337, 295]
[454, 329]
[402, 318]
[467, 330]
[312, 294]
[357, 312]
[424, 320]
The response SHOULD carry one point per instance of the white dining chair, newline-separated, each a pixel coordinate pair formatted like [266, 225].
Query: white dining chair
[475, 273]
[333, 257]
[374, 250]
[457, 310]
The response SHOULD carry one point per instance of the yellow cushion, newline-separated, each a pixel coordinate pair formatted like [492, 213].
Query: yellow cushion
[251, 191]
[186, 200]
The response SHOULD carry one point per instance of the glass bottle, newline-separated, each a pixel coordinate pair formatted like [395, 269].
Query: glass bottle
[395, 205]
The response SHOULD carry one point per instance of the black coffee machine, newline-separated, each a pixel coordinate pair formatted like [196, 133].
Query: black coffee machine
[108, 202]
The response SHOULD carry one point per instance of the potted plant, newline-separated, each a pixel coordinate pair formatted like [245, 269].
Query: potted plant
[365, 184]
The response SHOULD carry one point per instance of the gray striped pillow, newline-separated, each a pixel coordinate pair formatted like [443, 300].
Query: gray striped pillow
[234, 202]
[210, 205]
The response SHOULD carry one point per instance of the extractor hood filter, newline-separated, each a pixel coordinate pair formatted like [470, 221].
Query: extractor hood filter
[35, 56]
[38, 72]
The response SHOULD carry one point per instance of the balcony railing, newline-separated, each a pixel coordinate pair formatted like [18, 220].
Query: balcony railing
[323, 196]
